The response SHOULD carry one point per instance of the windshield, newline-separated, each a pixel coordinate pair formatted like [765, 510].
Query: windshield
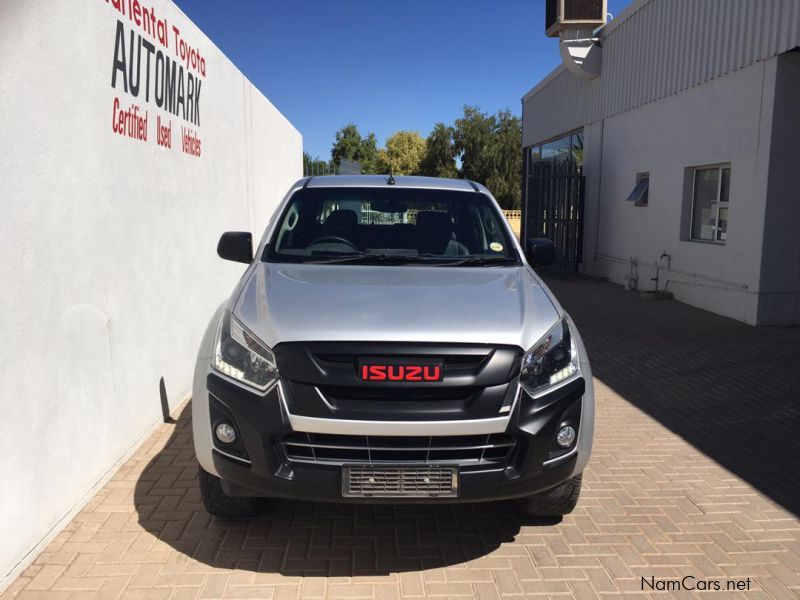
[391, 226]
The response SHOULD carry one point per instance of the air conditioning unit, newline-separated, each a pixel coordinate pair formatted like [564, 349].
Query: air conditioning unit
[573, 14]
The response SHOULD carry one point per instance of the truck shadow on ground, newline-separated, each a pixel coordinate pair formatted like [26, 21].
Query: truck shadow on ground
[293, 538]
[729, 389]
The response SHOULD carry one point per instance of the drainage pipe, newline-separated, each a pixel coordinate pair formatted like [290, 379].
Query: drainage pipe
[655, 265]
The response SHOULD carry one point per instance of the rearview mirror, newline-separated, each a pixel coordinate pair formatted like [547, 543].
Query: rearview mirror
[540, 252]
[236, 246]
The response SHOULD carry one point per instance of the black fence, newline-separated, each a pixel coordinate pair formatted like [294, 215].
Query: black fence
[553, 208]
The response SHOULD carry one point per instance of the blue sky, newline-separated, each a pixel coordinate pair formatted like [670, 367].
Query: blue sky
[383, 65]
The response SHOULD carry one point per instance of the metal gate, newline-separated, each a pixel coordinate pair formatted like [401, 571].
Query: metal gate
[553, 208]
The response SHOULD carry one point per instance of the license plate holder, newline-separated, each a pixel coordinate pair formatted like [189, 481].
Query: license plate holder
[395, 481]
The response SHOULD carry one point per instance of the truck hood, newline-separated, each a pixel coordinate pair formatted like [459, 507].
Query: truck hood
[306, 302]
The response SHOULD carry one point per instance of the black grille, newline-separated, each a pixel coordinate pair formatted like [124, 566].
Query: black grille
[407, 393]
[450, 361]
[478, 450]
[323, 380]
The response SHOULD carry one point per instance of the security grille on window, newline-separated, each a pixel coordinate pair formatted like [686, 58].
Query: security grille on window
[710, 202]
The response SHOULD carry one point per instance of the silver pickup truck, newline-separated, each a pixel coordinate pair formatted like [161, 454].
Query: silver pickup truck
[391, 342]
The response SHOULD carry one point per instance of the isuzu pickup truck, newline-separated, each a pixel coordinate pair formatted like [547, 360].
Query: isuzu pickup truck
[391, 342]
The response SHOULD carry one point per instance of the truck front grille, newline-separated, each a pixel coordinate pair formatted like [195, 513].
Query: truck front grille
[341, 396]
[483, 450]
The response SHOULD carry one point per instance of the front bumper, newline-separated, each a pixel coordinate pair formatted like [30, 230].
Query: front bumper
[258, 464]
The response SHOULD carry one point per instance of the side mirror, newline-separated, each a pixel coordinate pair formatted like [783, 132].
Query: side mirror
[540, 252]
[236, 246]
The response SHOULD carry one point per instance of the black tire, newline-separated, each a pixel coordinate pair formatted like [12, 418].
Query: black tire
[218, 503]
[559, 501]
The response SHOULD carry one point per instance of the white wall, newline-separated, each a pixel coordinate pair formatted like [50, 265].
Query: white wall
[107, 248]
[727, 120]
[779, 301]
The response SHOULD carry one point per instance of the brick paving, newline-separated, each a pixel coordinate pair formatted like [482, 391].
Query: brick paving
[693, 473]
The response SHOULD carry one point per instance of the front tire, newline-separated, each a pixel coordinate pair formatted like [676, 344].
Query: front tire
[218, 503]
[559, 501]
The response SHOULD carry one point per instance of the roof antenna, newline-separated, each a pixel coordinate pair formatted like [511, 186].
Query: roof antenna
[390, 181]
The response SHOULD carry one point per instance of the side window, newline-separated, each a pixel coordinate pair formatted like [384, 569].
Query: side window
[710, 204]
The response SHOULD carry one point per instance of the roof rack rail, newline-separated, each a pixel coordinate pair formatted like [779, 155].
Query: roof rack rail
[474, 185]
[305, 185]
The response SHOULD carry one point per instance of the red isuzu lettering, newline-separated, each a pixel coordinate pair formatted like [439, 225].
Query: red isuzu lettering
[401, 372]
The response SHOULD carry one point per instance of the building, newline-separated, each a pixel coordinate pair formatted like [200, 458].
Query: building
[129, 142]
[680, 147]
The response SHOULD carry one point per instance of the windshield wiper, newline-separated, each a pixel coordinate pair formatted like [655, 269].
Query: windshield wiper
[478, 261]
[428, 259]
[363, 257]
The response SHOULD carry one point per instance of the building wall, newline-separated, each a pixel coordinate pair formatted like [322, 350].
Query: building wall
[657, 48]
[780, 265]
[727, 120]
[107, 244]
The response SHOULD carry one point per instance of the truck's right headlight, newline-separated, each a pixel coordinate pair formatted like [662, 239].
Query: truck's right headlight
[551, 360]
[242, 356]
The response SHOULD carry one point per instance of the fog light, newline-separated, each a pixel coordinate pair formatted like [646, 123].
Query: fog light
[566, 436]
[226, 433]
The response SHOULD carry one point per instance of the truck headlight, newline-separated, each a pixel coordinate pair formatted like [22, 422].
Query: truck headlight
[241, 356]
[551, 360]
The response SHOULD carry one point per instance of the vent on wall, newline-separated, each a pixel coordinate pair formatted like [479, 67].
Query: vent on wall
[564, 14]
[574, 22]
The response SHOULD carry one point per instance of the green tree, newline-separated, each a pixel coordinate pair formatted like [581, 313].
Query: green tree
[487, 146]
[506, 160]
[440, 153]
[403, 154]
[369, 154]
[473, 140]
[349, 144]
[490, 148]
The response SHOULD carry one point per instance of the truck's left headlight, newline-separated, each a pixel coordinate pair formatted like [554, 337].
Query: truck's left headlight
[242, 356]
[551, 360]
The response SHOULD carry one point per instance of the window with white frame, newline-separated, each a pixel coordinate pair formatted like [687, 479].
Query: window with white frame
[710, 202]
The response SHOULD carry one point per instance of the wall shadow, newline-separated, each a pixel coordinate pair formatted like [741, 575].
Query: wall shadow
[729, 389]
[305, 538]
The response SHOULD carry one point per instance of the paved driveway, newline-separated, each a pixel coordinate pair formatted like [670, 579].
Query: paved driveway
[694, 473]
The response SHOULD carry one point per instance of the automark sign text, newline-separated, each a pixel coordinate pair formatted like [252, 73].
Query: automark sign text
[153, 71]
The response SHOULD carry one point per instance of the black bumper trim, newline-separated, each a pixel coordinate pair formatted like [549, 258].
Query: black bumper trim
[263, 424]
[323, 483]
